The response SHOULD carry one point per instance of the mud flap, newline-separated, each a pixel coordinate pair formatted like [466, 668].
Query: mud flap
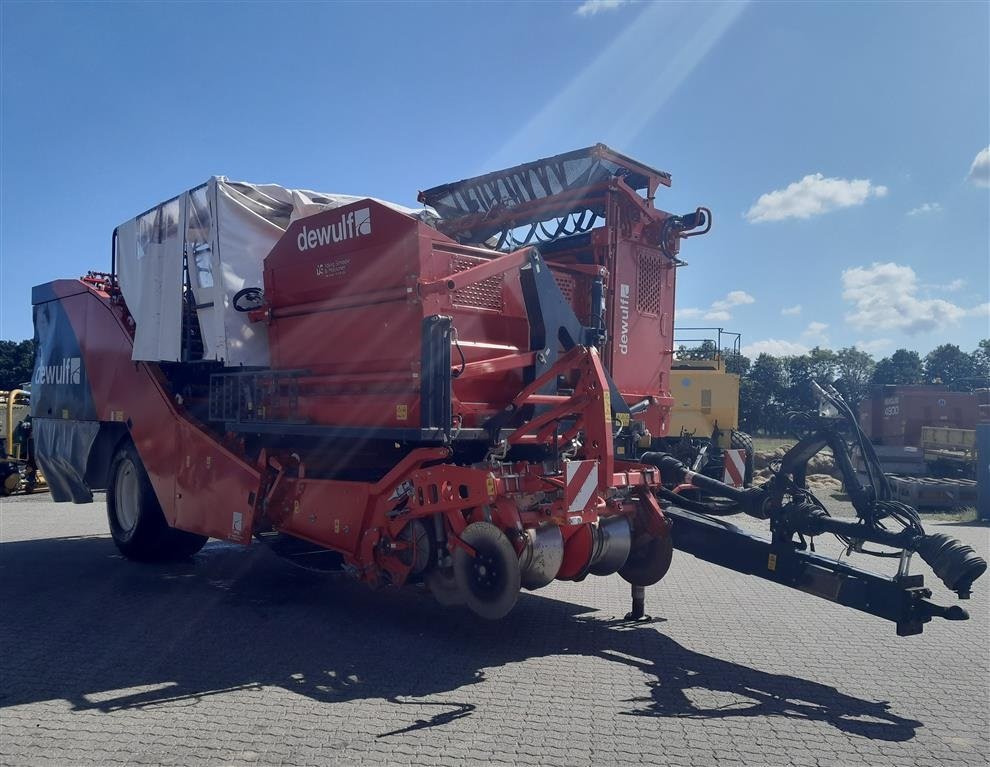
[62, 449]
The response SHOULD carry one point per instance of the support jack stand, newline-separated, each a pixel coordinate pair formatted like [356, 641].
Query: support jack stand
[638, 613]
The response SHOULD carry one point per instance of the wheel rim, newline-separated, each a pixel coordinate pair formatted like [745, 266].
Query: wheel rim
[127, 496]
[489, 579]
[487, 576]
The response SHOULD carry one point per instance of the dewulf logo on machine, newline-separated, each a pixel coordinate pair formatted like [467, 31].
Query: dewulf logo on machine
[623, 318]
[68, 371]
[357, 223]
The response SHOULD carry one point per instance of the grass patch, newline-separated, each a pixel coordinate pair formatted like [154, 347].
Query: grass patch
[966, 514]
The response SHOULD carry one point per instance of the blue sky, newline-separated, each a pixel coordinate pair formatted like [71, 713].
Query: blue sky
[842, 147]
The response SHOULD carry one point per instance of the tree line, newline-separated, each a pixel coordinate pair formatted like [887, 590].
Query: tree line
[16, 363]
[771, 387]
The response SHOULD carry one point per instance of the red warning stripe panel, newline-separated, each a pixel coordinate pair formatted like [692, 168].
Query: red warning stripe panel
[581, 483]
[735, 467]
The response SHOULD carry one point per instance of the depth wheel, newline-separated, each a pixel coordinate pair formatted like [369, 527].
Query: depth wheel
[444, 588]
[648, 561]
[137, 524]
[489, 580]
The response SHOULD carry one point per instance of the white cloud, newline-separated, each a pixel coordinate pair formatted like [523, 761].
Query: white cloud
[592, 7]
[811, 196]
[885, 297]
[983, 310]
[815, 333]
[979, 171]
[948, 287]
[718, 316]
[719, 311]
[791, 311]
[876, 346]
[733, 298]
[775, 347]
[926, 207]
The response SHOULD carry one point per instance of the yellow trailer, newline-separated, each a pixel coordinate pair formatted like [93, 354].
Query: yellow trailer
[946, 447]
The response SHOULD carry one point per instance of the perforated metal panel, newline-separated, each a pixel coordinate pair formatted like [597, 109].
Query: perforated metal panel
[566, 284]
[576, 290]
[486, 294]
[648, 283]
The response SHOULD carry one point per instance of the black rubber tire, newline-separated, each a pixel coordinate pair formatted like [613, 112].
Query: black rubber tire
[443, 587]
[141, 533]
[742, 441]
[489, 581]
[648, 561]
[180, 544]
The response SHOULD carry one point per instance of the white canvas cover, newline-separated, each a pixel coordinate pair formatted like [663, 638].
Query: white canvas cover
[225, 228]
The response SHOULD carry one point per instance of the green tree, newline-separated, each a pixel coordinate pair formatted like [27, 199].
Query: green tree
[704, 352]
[761, 396]
[855, 370]
[902, 368]
[817, 365]
[981, 361]
[16, 363]
[950, 365]
[736, 363]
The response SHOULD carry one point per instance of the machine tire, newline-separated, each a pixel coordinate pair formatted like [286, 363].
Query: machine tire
[137, 524]
[444, 588]
[648, 561]
[742, 441]
[181, 544]
[490, 580]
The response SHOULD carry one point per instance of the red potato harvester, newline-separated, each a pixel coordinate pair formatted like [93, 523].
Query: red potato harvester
[466, 394]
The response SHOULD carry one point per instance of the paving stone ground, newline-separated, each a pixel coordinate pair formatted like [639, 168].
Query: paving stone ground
[237, 657]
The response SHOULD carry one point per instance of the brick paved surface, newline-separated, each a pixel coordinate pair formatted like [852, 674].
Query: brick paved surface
[238, 658]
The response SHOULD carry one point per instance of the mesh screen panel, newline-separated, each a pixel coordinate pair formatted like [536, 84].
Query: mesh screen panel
[486, 294]
[648, 283]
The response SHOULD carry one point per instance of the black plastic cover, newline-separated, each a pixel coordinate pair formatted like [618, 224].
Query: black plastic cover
[62, 449]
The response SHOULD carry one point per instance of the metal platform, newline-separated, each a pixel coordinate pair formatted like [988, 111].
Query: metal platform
[933, 493]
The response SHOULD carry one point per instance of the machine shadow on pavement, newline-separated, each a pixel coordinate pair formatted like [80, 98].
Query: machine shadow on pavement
[81, 624]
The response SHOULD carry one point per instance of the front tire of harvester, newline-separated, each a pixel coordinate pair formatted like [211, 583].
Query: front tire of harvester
[137, 524]
[742, 441]
[490, 580]
[648, 561]
[180, 544]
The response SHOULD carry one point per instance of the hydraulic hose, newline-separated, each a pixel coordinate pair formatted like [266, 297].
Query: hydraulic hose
[671, 467]
[711, 509]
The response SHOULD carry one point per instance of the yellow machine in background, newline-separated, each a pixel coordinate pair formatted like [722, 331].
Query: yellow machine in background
[15, 406]
[18, 472]
[706, 399]
[704, 421]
